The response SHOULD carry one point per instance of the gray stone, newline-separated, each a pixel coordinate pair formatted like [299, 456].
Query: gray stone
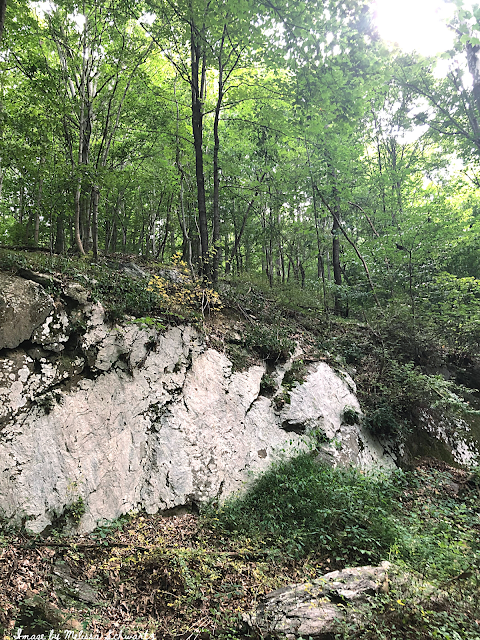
[160, 421]
[174, 276]
[165, 422]
[54, 332]
[75, 291]
[321, 607]
[65, 584]
[24, 306]
[133, 270]
[317, 407]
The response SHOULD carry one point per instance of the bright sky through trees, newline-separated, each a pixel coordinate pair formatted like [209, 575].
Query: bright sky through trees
[416, 24]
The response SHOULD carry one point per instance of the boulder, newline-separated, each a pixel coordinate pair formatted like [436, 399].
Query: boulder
[24, 306]
[66, 585]
[317, 407]
[76, 292]
[54, 332]
[319, 608]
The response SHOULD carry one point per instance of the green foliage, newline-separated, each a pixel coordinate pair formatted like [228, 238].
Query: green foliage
[303, 507]
[298, 522]
[407, 613]
[106, 530]
[240, 357]
[271, 342]
[383, 422]
[281, 399]
[350, 416]
[394, 362]
[408, 388]
[75, 510]
[475, 475]
[452, 304]
[439, 539]
[268, 384]
[180, 299]
[71, 515]
[150, 322]
[32, 618]
[124, 295]
[295, 375]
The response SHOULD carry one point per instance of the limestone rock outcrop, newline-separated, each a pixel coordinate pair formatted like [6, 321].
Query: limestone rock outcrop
[126, 417]
[24, 307]
[320, 608]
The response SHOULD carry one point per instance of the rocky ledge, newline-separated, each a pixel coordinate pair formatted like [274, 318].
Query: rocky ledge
[97, 420]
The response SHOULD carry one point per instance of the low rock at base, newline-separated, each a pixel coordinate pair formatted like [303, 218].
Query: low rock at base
[321, 607]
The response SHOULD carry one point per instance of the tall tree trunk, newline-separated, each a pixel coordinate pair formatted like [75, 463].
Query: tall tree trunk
[216, 170]
[239, 235]
[36, 230]
[335, 210]
[187, 242]
[21, 204]
[379, 162]
[162, 245]
[3, 10]
[355, 248]
[82, 152]
[1, 179]
[396, 186]
[95, 199]
[198, 67]
[337, 271]
[320, 261]
[78, 237]
[216, 190]
[473, 60]
[59, 246]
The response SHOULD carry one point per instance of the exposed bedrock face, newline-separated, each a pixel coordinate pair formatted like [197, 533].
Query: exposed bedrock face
[128, 418]
[24, 306]
[160, 421]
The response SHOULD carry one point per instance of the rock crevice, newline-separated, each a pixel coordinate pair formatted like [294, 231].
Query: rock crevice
[126, 417]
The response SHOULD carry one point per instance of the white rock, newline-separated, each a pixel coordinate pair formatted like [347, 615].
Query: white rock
[161, 421]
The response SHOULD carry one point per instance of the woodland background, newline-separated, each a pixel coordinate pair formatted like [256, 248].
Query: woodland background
[275, 138]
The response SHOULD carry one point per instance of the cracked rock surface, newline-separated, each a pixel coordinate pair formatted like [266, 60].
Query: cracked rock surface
[320, 608]
[126, 417]
[24, 306]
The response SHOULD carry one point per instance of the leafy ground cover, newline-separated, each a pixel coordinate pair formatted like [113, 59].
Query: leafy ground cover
[165, 292]
[192, 576]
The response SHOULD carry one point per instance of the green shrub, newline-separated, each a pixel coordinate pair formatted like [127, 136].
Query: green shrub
[441, 530]
[304, 507]
[268, 385]
[383, 422]
[296, 374]
[350, 416]
[281, 399]
[125, 295]
[76, 510]
[271, 342]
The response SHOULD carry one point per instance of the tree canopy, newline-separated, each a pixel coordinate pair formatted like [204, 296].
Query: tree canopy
[275, 138]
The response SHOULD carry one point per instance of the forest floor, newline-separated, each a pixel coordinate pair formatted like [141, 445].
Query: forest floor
[179, 577]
